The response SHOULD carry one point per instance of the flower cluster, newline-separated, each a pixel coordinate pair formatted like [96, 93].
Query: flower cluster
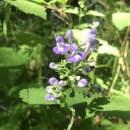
[55, 89]
[72, 72]
[71, 49]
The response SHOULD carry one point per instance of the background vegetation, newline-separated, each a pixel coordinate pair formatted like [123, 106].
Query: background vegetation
[27, 36]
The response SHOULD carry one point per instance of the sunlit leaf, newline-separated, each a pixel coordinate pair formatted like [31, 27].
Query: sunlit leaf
[34, 96]
[121, 19]
[76, 100]
[95, 13]
[29, 7]
[118, 106]
[108, 49]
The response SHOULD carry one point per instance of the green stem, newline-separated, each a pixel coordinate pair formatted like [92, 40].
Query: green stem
[39, 74]
[17, 46]
[115, 79]
[46, 116]
[72, 119]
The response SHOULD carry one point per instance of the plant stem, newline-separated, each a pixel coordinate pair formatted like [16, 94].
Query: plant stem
[46, 116]
[72, 119]
[115, 78]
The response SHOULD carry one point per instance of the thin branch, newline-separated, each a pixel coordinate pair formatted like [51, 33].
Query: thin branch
[72, 119]
[125, 59]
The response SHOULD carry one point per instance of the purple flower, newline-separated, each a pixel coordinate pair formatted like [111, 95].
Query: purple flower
[99, 89]
[49, 97]
[90, 41]
[76, 55]
[82, 83]
[61, 83]
[56, 95]
[53, 81]
[49, 89]
[88, 69]
[91, 46]
[61, 47]
[69, 36]
[52, 65]
[59, 39]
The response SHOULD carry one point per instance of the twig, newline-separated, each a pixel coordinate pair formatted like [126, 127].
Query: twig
[115, 79]
[125, 59]
[72, 119]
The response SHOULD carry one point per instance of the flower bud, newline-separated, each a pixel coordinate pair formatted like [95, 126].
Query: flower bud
[59, 39]
[53, 81]
[49, 97]
[69, 36]
[88, 69]
[52, 65]
[82, 83]
[49, 89]
[61, 83]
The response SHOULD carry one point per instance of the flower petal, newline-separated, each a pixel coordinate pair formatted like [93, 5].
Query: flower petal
[53, 81]
[61, 49]
[82, 83]
[52, 65]
[59, 39]
[77, 57]
[49, 97]
[69, 36]
[49, 89]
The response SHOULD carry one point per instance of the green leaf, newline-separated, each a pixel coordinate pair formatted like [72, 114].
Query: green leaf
[76, 100]
[108, 49]
[118, 107]
[121, 20]
[10, 57]
[6, 19]
[12, 63]
[62, 1]
[95, 13]
[29, 7]
[31, 39]
[72, 11]
[34, 96]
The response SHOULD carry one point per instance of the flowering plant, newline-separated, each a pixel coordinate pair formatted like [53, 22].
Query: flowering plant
[74, 87]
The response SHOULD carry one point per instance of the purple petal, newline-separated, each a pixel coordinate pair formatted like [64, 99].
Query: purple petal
[74, 47]
[66, 49]
[62, 49]
[69, 36]
[56, 95]
[49, 89]
[90, 35]
[49, 97]
[82, 83]
[69, 33]
[52, 65]
[82, 54]
[53, 81]
[93, 42]
[61, 83]
[59, 39]
[77, 57]
[93, 31]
